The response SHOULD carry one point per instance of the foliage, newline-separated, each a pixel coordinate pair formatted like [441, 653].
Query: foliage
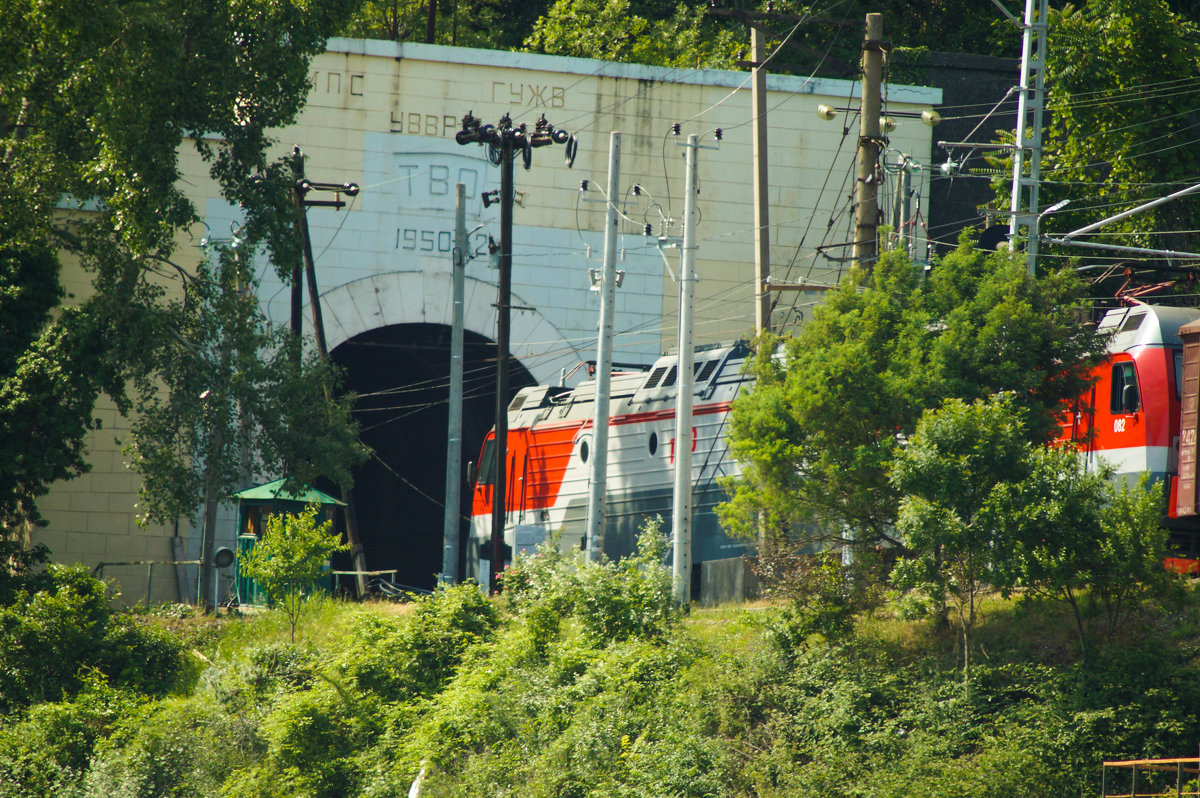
[488, 24]
[817, 433]
[579, 696]
[824, 592]
[53, 637]
[949, 473]
[291, 555]
[236, 391]
[21, 571]
[985, 510]
[400, 661]
[644, 32]
[727, 703]
[1076, 532]
[612, 601]
[90, 136]
[49, 750]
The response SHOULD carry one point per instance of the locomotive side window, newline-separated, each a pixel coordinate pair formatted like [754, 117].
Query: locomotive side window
[1124, 398]
[487, 464]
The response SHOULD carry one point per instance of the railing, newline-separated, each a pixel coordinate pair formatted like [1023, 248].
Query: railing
[1186, 770]
[98, 571]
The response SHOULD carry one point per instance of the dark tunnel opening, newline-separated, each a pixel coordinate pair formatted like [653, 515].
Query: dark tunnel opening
[401, 375]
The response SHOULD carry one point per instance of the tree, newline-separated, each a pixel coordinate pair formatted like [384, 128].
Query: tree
[489, 24]
[643, 31]
[237, 399]
[1077, 533]
[948, 474]
[984, 509]
[816, 435]
[290, 557]
[96, 102]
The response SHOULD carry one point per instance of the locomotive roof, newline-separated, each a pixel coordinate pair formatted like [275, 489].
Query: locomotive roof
[1145, 325]
[654, 384]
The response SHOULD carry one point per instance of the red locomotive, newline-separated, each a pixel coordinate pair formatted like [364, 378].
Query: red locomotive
[1141, 416]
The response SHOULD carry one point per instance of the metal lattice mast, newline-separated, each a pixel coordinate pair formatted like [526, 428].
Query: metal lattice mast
[1030, 103]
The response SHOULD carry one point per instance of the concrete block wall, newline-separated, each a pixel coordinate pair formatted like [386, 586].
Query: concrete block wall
[384, 114]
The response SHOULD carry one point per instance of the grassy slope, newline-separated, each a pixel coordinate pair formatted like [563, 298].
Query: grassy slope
[728, 701]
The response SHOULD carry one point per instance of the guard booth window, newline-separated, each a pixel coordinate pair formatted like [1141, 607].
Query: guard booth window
[1124, 388]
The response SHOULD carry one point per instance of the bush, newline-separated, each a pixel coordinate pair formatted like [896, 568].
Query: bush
[612, 602]
[400, 660]
[53, 636]
[48, 751]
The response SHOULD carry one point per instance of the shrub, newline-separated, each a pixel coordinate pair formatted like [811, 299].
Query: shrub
[630, 599]
[47, 752]
[400, 660]
[54, 635]
[290, 557]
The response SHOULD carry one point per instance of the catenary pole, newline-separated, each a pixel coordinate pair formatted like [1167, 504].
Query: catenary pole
[608, 280]
[681, 510]
[454, 423]
[1030, 102]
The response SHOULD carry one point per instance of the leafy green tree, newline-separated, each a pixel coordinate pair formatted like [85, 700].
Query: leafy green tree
[237, 399]
[96, 102]
[289, 558]
[948, 473]
[1075, 533]
[487, 24]
[640, 31]
[984, 509]
[817, 433]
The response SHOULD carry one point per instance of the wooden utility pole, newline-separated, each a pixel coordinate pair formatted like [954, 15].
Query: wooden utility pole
[301, 188]
[866, 208]
[762, 199]
[508, 140]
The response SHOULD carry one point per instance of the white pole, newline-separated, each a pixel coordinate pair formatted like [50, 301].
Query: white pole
[681, 511]
[454, 433]
[599, 464]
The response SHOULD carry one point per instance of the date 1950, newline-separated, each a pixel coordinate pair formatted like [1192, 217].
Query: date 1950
[418, 240]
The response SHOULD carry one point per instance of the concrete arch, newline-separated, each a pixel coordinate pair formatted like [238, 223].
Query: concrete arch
[424, 297]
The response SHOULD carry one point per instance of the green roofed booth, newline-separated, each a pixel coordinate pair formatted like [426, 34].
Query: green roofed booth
[255, 506]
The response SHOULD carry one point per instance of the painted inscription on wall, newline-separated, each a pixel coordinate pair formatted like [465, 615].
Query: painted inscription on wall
[424, 183]
[528, 94]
